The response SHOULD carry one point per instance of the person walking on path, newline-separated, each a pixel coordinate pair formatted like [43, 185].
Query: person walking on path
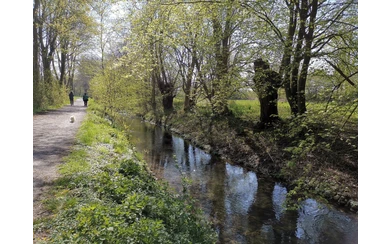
[71, 98]
[85, 99]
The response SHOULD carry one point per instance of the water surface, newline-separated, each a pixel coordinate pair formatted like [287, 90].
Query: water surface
[243, 207]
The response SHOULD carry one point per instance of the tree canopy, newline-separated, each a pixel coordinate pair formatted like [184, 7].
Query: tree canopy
[146, 54]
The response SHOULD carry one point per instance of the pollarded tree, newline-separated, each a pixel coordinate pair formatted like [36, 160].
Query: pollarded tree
[206, 50]
[143, 56]
[305, 29]
[157, 30]
[219, 74]
[185, 43]
[267, 83]
[200, 53]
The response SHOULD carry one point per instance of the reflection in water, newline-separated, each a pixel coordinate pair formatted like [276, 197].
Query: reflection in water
[318, 224]
[241, 190]
[267, 234]
[243, 208]
[278, 198]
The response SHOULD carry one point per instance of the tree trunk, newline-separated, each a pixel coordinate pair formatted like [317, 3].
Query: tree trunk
[47, 53]
[71, 70]
[267, 83]
[168, 103]
[167, 92]
[187, 88]
[219, 103]
[285, 68]
[64, 47]
[295, 75]
[36, 73]
[306, 59]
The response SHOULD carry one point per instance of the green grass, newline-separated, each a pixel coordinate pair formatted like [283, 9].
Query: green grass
[106, 195]
[75, 163]
[250, 110]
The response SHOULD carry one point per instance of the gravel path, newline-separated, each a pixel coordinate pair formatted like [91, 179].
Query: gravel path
[54, 135]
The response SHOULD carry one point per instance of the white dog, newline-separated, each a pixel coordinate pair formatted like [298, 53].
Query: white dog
[71, 119]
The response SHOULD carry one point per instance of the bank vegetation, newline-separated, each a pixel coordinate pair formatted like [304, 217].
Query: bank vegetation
[270, 85]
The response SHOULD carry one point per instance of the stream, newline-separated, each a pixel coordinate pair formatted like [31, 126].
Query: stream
[244, 208]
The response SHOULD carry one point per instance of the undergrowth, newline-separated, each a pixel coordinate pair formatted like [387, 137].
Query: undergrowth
[106, 195]
[320, 144]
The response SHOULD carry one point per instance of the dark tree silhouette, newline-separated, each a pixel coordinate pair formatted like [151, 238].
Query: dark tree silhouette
[267, 83]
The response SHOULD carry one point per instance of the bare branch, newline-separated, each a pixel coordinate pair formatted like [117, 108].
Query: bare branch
[340, 72]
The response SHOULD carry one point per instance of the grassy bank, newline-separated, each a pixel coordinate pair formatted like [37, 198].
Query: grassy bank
[314, 154]
[106, 195]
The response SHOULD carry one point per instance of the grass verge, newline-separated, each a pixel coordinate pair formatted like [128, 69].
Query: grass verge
[107, 195]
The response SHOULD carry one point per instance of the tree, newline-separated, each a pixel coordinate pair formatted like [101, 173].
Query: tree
[75, 34]
[306, 34]
[60, 28]
[153, 31]
[207, 48]
[102, 11]
[36, 72]
[267, 83]
[222, 21]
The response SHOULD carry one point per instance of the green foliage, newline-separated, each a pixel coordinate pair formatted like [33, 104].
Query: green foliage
[129, 168]
[48, 96]
[122, 88]
[75, 163]
[106, 197]
[297, 147]
[317, 131]
[331, 89]
[95, 129]
[220, 41]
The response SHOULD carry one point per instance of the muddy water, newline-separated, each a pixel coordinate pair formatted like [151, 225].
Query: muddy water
[243, 207]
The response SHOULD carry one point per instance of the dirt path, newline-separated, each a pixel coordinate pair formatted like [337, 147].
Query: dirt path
[54, 135]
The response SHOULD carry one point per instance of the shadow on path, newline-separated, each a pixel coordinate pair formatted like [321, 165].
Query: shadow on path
[53, 137]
